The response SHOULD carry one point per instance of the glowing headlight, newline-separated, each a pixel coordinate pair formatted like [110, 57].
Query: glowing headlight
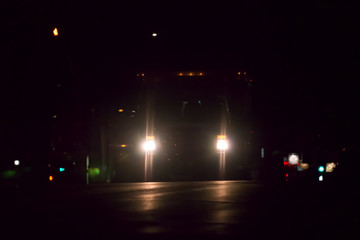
[149, 144]
[222, 143]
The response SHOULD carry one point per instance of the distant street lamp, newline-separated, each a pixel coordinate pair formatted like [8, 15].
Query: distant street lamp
[16, 162]
[154, 34]
[55, 32]
[293, 159]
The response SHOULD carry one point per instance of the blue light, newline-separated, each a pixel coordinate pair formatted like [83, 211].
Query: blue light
[62, 169]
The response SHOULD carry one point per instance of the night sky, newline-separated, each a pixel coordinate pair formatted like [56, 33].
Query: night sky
[302, 55]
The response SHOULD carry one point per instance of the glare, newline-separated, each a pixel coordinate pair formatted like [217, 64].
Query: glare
[120, 110]
[123, 145]
[51, 178]
[321, 169]
[222, 144]
[149, 145]
[62, 169]
[293, 159]
[16, 162]
[154, 34]
[321, 178]
[55, 32]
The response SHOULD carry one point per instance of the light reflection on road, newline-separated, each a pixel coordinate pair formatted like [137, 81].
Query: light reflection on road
[147, 200]
[212, 205]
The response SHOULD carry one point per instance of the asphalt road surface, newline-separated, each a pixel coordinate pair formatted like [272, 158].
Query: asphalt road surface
[180, 210]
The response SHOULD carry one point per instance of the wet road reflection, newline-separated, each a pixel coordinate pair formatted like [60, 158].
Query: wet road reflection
[211, 209]
[204, 206]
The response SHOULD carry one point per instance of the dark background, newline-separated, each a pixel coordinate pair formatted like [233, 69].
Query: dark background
[302, 55]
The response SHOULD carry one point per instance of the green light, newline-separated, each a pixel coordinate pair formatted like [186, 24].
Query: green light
[9, 174]
[94, 171]
[62, 169]
[321, 169]
[74, 163]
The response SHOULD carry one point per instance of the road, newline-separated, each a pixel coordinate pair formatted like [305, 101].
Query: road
[178, 210]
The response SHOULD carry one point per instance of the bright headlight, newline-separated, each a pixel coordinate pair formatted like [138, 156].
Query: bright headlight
[149, 144]
[222, 144]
